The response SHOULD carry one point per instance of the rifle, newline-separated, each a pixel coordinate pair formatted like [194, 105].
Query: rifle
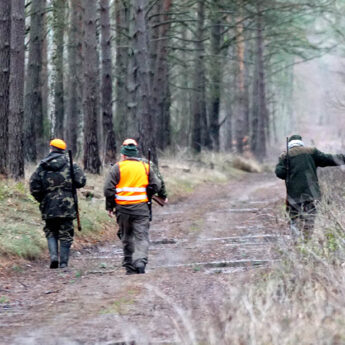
[149, 189]
[74, 190]
[287, 165]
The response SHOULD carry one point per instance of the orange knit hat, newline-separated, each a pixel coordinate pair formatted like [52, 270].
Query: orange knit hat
[58, 143]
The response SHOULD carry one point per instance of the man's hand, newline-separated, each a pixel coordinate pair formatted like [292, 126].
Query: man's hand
[110, 213]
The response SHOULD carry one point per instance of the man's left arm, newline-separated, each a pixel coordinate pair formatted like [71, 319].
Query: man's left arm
[36, 186]
[281, 167]
[154, 182]
[327, 159]
[162, 193]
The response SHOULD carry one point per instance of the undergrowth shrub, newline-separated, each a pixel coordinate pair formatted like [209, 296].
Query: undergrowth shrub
[300, 300]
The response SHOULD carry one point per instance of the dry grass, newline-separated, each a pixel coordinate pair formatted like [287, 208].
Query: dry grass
[21, 235]
[301, 300]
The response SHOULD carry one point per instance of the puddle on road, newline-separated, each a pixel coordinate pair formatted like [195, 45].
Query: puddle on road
[221, 264]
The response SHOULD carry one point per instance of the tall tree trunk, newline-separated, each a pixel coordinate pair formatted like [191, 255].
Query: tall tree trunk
[92, 162]
[107, 86]
[75, 78]
[240, 84]
[215, 76]
[16, 102]
[259, 117]
[199, 133]
[160, 74]
[59, 9]
[33, 111]
[45, 88]
[132, 76]
[121, 67]
[5, 36]
[140, 48]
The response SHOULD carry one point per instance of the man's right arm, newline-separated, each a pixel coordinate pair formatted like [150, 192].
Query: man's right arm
[36, 187]
[281, 167]
[111, 181]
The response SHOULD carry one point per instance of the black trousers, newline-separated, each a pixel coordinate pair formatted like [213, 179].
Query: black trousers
[302, 218]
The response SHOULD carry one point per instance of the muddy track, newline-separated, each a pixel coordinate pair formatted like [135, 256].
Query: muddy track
[221, 235]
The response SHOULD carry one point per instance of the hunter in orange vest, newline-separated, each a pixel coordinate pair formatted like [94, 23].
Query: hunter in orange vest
[125, 191]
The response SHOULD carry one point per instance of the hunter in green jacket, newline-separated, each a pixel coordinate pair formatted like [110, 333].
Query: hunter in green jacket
[299, 170]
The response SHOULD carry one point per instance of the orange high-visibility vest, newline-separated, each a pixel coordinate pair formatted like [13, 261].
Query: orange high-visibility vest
[134, 179]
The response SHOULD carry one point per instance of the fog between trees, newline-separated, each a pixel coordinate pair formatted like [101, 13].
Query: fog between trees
[202, 75]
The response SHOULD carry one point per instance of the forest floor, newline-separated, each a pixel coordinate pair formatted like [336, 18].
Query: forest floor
[220, 236]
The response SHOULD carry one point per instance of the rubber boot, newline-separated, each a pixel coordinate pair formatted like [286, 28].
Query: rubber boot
[53, 251]
[64, 254]
[140, 266]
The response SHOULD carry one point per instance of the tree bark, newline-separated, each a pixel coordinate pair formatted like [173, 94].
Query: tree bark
[5, 35]
[215, 76]
[259, 117]
[107, 86]
[122, 8]
[33, 111]
[199, 133]
[16, 102]
[240, 85]
[92, 162]
[75, 78]
[141, 58]
[132, 77]
[160, 74]
[59, 9]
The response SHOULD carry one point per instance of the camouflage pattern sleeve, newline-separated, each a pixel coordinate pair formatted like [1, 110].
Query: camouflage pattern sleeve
[79, 176]
[36, 185]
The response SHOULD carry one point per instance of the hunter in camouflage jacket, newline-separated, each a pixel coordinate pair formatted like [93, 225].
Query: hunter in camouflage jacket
[51, 186]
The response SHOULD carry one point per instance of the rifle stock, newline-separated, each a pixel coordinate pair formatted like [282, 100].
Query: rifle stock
[74, 189]
[160, 201]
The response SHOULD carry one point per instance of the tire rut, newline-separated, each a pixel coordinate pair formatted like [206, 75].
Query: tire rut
[218, 235]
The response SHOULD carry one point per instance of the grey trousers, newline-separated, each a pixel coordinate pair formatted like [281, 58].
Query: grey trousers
[134, 234]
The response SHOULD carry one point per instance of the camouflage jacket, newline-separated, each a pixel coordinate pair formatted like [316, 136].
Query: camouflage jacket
[303, 184]
[51, 186]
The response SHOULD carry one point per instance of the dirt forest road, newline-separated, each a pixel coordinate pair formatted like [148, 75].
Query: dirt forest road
[217, 237]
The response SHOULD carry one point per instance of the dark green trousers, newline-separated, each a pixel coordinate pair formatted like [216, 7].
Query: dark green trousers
[134, 234]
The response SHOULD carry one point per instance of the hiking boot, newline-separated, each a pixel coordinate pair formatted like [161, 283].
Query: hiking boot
[53, 252]
[64, 254]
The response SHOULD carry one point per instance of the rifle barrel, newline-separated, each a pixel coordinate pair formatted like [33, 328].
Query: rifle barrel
[74, 190]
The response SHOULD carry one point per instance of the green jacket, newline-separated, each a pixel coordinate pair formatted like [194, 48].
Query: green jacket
[51, 186]
[303, 183]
